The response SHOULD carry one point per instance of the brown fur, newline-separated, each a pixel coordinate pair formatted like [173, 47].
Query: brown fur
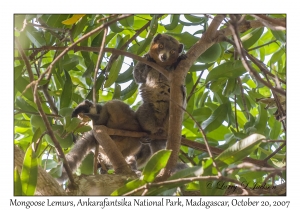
[153, 114]
[114, 114]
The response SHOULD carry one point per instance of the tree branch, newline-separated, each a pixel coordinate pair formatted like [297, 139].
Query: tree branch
[58, 148]
[177, 81]
[271, 23]
[46, 184]
[115, 156]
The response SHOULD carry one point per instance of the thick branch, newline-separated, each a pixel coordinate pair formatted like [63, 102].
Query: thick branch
[115, 156]
[177, 81]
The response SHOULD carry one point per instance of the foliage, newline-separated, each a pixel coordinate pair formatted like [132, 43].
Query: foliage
[222, 96]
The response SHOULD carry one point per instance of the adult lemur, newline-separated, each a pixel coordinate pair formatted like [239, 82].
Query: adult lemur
[153, 114]
[113, 114]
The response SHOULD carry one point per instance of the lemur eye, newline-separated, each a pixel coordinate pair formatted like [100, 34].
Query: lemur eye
[161, 46]
[172, 51]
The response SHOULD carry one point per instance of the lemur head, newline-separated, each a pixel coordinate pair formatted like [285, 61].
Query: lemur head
[165, 49]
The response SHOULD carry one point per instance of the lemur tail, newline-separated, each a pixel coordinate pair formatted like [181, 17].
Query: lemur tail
[74, 158]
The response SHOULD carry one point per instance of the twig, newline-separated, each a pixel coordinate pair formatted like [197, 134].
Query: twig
[100, 56]
[187, 157]
[112, 50]
[58, 148]
[253, 167]
[274, 153]
[184, 181]
[268, 141]
[271, 22]
[49, 69]
[205, 140]
[34, 113]
[273, 174]
[113, 57]
[194, 87]
[248, 67]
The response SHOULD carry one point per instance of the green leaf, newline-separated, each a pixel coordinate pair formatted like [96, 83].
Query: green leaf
[150, 35]
[155, 164]
[24, 106]
[18, 71]
[129, 187]
[87, 165]
[187, 172]
[275, 128]
[65, 111]
[17, 183]
[279, 35]
[126, 75]
[114, 71]
[29, 172]
[219, 133]
[70, 62]
[261, 120]
[20, 85]
[37, 122]
[99, 83]
[73, 124]
[117, 91]
[195, 19]
[229, 87]
[37, 134]
[230, 69]
[127, 22]
[216, 119]
[251, 38]
[65, 140]
[97, 41]
[201, 114]
[55, 21]
[78, 29]
[240, 149]
[115, 28]
[129, 91]
[57, 171]
[211, 54]
[186, 38]
[48, 164]
[200, 67]
[66, 95]
[22, 123]
[174, 22]
[35, 36]
[83, 129]
[277, 56]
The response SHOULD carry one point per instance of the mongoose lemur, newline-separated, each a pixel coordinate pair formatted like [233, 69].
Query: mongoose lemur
[113, 114]
[153, 114]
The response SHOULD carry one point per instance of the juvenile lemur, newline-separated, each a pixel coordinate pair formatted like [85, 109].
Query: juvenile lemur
[153, 114]
[113, 114]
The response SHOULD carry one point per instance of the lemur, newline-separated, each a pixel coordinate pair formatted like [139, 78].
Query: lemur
[153, 114]
[113, 114]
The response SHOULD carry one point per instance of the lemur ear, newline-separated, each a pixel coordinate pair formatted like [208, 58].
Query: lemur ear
[180, 48]
[157, 37]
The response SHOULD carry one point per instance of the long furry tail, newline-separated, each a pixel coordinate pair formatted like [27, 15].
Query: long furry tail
[74, 158]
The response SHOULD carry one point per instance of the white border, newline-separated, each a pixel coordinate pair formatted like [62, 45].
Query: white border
[154, 6]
